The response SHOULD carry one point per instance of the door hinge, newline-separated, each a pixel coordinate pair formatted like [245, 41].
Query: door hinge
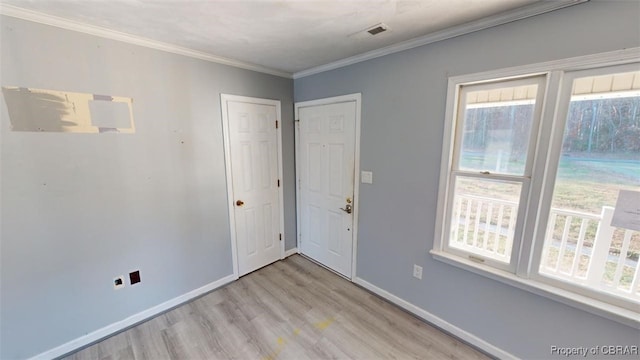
[276, 124]
[278, 182]
[280, 236]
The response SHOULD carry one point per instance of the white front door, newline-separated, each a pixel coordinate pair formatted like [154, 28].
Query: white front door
[326, 176]
[253, 164]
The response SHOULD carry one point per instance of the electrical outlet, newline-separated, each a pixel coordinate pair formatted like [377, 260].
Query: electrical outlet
[118, 282]
[417, 271]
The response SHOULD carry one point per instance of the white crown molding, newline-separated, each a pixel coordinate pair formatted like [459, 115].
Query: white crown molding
[582, 62]
[537, 8]
[41, 18]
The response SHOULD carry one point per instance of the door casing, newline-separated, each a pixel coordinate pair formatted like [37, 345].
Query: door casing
[224, 98]
[357, 98]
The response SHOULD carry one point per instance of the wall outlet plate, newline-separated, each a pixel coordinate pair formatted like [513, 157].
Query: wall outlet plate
[417, 271]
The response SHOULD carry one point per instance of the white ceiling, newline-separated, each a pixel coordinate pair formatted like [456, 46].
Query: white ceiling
[287, 36]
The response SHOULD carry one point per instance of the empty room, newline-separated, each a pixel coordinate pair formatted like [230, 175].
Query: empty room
[292, 179]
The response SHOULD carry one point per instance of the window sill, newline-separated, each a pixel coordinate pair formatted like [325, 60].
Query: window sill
[600, 308]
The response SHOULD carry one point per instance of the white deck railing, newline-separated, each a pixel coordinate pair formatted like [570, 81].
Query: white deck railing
[580, 247]
[602, 261]
[484, 226]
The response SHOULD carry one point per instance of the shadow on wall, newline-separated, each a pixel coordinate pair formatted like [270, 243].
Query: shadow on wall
[39, 110]
[30, 111]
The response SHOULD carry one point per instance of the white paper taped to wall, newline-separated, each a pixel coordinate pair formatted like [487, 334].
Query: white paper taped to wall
[42, 110]
[627, 212]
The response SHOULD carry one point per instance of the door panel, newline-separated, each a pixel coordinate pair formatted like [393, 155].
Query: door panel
[254, 171]
[326, 174]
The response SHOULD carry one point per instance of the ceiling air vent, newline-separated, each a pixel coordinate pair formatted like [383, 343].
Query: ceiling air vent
[377, 29]
[370, 32]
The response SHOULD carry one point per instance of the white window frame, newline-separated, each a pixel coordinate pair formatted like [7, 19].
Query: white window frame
[553, 161]
[524, 179]
[523, 273]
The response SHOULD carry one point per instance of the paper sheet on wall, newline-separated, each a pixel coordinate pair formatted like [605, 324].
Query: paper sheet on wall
[627, 212]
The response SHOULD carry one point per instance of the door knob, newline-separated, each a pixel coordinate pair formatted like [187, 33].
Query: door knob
[347, 209]
[239, 203]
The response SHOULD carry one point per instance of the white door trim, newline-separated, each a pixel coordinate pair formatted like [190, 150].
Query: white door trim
[224, 98]
[357, 97]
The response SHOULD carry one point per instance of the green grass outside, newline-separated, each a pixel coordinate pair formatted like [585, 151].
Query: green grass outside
[584, 183]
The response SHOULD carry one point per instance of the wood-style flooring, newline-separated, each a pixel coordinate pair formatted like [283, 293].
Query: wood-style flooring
[292, 309]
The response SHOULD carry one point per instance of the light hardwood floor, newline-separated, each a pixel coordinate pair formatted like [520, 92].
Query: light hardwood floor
[292, 309]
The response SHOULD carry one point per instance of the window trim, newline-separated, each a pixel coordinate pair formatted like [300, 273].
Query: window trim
[526, 275]
[524, 179]
[612, 312]
[552, 162]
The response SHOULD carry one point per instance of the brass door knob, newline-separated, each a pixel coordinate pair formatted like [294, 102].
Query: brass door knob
[239, 203]
[347, 209]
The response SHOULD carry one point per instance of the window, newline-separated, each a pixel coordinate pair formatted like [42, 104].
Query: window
[491, 170]
[598, 156]
[534, 163]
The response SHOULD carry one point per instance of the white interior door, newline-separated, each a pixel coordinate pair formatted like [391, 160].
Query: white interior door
[326, 176]
[253, 162]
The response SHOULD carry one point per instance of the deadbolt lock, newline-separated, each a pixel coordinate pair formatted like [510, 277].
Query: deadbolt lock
[348, 200]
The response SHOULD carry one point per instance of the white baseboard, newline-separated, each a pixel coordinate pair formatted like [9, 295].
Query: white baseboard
[290, 252]
[436, 321]
[130, 321]
[151, 312]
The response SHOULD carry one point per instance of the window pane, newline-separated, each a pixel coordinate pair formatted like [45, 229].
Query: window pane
[497, 128]
[484, 217]
[600, 156]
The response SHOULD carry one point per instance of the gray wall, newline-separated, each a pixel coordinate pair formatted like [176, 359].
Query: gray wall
[403, 97]
[80, 209]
